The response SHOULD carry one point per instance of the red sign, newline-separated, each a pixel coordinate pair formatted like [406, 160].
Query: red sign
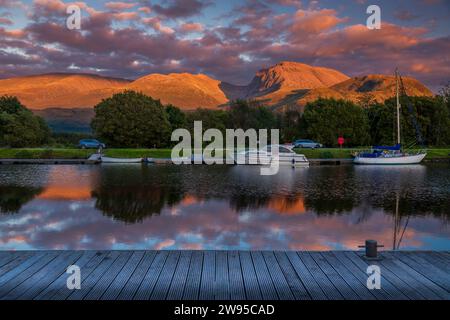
[341, 141]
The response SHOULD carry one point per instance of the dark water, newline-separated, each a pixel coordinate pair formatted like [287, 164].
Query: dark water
[223, 207]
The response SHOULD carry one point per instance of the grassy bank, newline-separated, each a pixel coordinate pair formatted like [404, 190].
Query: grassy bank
[60, 153]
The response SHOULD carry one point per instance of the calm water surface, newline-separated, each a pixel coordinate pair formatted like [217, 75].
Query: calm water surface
[223, 207]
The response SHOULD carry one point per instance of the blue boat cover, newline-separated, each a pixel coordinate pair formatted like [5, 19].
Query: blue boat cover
[394, 148]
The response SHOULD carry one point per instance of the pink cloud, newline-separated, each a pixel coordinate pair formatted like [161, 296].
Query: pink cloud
[310, 23]
[119, 5]
[146, 10]
[191, 27]
[156, 24]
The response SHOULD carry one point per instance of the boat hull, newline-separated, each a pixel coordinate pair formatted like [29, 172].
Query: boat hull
[288, 160]
[119, 160]
[411, 159]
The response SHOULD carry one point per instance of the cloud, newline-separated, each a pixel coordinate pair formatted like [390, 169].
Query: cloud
[252, 35]
[191, 27]
[181, 8]
[5, 21]
[405, 15]
[157, 25]
[119, 5]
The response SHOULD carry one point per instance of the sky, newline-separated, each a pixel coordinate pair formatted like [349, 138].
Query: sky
[227, 40]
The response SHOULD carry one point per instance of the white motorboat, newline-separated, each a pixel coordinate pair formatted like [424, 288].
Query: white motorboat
[385, 155]
[268, 154]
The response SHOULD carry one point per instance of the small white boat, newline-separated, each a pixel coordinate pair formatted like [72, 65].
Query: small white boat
[101, 158]
[120, 160]
[377, 157]
[266, 155]
[386, 155]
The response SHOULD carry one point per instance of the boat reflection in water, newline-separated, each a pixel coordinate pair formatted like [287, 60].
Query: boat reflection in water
[223, 207]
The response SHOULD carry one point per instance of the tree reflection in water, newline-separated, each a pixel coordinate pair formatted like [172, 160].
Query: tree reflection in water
[132, 193]
[12, 198]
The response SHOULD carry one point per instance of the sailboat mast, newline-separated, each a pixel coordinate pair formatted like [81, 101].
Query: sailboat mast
[398, 105]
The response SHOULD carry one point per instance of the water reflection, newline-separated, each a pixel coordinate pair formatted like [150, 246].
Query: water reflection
[223, 207]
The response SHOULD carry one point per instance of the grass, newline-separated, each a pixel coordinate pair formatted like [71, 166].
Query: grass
[66, 153]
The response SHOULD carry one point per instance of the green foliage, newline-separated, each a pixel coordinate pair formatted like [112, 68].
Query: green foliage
[325, 120]
[210, 119]
[431, 114]
[176, 117]
[289, 123]
[250, 114]
[19, 127]
[131, 119]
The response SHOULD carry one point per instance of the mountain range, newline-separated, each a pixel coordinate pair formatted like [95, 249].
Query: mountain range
[68, 98]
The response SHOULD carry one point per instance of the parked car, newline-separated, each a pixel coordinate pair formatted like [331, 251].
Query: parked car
[304, 143]
[90, 144]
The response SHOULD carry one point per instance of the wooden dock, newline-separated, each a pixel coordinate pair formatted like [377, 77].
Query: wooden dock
[223, 275]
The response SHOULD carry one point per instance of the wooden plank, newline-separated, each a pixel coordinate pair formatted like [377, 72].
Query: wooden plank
[16, 260]
[123, 276]
[108, 276]
[427, 288]
[401, 286]
[353, 263]
[89, 282]
[148, 283]
[163, 284]
[346, 291]
[8, 256]
[281, 285]
[221, 287]
[251, 285]
[427, 269]
[268, 290]
[358, 285]
[445, 256]
[194, 277]
[436, 261]
[237, 289]
[180, 277]
[295, 284]
[132, 285]
[42, 279]
[319, 276]
[207, 283]
[19, 277]
[61, 281]
[24, 265]
[310, 284]
[63, 293]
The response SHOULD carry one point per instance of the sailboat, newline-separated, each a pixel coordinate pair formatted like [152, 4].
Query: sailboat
[390, 154]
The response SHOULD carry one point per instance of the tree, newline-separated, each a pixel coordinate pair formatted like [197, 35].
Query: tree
[209, 118]
[131, 119]
[289, 123]
[176, 117]
[324, 120]
[19, 127]
[245, 114]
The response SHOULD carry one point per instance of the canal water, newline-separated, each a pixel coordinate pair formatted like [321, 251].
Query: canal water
[223, 207]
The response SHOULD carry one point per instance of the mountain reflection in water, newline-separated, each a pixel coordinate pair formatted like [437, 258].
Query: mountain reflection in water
[223, 207]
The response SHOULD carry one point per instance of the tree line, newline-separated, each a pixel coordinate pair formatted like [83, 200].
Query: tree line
[132, 119]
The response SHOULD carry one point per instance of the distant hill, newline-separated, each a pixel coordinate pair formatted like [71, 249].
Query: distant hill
[61, 90]
[188, 91]
[284, 84]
